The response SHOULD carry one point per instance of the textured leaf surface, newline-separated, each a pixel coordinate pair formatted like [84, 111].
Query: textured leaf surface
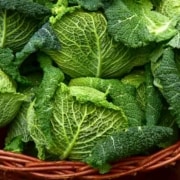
[133, 141]
[40, 110]
[135, 23]
[167, 79]
[77, 126]
[120, 94]
[88, 50]
[9, 104]
[26, 8]
[170, 8]
[91, 5]
[43, 39]
[18, 133]
[15, 29]
[153, 99]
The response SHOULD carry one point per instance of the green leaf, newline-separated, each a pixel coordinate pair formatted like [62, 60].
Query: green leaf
[91, 5]
[121, 95]
[6, 83]
[15, 29]
[153, 99]
[175, 41]
[76, 126]
[26, 8]
[132, 141]
[134, 78]
[167, 79]
[170, 8]
[10, 100]
[40, 110]
[16, 145]
[18, 135]
[84, 94]
[136, 24]
[44, 39]
[9, 66]
[9, 104]
[88, 50]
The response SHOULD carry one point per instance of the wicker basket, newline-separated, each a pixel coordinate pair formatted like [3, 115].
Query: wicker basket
[15, 166]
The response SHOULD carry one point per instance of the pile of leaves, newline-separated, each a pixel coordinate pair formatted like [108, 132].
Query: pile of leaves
[89, 80]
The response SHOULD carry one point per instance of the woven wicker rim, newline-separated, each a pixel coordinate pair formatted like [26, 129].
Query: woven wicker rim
[22, 164]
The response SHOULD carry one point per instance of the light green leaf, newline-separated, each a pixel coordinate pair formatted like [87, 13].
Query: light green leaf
[15, 29]
[175, 41]
[6, 83]
[18, 134]
[9, 104]
[77, 126]
[88, 50]
[121, 95]
[91, 5]
[170, 8]
[10, 100]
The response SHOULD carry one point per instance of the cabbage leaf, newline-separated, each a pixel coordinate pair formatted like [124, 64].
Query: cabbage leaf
[91, 5]
[19, 19]
[77, 126]
[10, 100]
[167, 79]
[88, 50]
[65, 121]
[136, 24]
[122, 95]
[15, 29]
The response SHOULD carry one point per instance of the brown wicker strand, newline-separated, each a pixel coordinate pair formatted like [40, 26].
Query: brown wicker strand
[20, 167]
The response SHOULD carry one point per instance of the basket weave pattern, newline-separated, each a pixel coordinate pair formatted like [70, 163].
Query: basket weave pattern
[15, 166]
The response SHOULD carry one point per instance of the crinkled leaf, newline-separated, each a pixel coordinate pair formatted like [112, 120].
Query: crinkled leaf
[26, 8]
[6, 83]
[40, 110]
[73, 127]
[44, 39]
[135, 23]
[84, 93]
[168, 120]
[15, 29]
[135, 78]
[9, 66]
[88, 50]
[167, 79]
[170, 8]
[175, 41]
[153, 100]
[131, 142]
[91, 5]
[122, 95]
[9, 104]
[18, 134]
[77, 126]
[19, 126]
[51, 78]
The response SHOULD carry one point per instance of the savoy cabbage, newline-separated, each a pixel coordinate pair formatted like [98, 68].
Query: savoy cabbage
[75, 72]
[88, 50]
[138, 19]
